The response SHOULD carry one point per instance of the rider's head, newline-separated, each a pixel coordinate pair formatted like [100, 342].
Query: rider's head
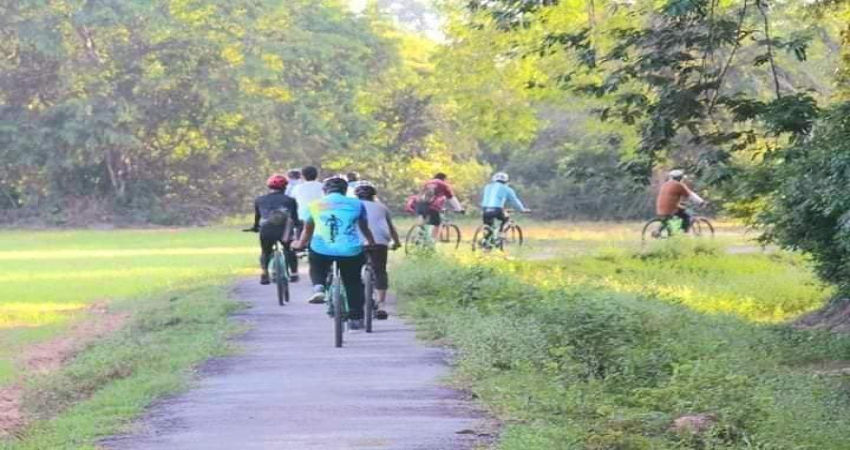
[293, 174]
[676, 175]
[440, 176]
[501, 177]
[335, 185]
[366, 191]
[352, 176]
[310, 173]
[277, 182]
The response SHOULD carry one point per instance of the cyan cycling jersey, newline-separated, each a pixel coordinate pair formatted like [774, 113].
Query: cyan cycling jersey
[336, 218]
[496, 195]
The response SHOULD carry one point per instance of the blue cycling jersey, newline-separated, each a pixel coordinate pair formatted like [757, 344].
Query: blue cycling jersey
[336, 218]
[497, 194]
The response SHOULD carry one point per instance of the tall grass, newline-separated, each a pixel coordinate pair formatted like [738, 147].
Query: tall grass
[606, 351]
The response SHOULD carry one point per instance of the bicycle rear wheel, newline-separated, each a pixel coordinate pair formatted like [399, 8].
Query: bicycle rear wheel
[415, 238]
[369, 297]
[482, 239]
[281, 278]
[655, 229]
[336, 298]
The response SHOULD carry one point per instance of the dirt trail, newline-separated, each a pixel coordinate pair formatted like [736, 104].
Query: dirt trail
[291, 389]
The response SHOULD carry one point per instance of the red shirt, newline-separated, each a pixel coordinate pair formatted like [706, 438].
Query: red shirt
[670, 199]
[442, 192]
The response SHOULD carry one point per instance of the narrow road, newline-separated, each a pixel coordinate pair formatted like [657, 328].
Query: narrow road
[291, 389]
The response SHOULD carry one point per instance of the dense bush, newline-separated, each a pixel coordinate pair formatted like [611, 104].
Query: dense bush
[584, 367]
[811, 210]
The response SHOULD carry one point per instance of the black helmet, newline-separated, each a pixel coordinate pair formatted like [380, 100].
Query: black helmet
[365, 190]
[336, 185]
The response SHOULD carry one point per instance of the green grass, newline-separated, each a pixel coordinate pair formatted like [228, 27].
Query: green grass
[602, 347]
[172, 282]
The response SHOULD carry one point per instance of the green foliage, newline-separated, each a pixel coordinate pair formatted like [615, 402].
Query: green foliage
[589, 366]
[810, 209]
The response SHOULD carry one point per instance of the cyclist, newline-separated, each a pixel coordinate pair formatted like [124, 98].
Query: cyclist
[383, 231]
[430, 201]
[294, 177]
[674, 192]
[331, 233]
[274, 213]
[307, 191]
[496, 194]
[353, 179]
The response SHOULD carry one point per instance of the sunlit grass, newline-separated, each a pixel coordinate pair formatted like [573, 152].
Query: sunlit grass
[48, 279]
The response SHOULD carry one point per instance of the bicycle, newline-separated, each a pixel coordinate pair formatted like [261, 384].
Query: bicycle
[279, 271]
[488, 238]
[661, 227]
[419, 236]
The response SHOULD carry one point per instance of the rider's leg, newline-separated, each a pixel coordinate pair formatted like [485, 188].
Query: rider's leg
[267, 241]
[503, 219]
[489, 220]
[378, 257]
[320, 265]
[291, 260]
[350, 268]
[686, 219]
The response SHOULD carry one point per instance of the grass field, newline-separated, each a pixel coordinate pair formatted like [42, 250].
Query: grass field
[586, 340]
[48, 279]
[169, 286]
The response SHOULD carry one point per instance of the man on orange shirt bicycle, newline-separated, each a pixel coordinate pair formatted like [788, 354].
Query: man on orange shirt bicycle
[670, 202]
[431, 200]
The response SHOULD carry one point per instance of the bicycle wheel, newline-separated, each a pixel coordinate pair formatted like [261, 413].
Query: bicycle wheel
[416, 238]
[369, 297]
[336, 298]
[513, 235]
[482, 239]
[655, 229]
[702, 227]
[281, 280]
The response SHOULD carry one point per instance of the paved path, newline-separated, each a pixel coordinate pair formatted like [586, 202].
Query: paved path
[291, 389]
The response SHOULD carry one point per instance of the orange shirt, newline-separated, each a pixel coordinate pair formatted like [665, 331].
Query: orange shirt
[672, 194]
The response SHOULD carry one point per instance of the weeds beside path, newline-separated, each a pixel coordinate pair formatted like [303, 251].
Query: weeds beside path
[607, 351]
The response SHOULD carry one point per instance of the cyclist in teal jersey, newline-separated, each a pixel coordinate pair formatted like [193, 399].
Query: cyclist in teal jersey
[497, 193]
[331, 232]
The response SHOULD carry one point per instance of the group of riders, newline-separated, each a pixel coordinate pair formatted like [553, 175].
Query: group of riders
[341, 219]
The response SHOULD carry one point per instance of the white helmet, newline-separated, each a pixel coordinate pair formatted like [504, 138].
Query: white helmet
[501, 177]
[676, 174]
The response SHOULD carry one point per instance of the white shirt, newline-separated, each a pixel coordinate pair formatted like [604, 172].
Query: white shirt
[306, 193]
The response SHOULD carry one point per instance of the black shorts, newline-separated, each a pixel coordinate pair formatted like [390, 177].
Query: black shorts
[490, 216]
[431, 216]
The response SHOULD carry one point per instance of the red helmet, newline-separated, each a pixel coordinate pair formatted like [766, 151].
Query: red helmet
[277, 182]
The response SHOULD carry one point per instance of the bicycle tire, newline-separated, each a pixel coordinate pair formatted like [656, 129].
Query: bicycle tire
[336, 298]
[369, 297]
[515, 235]
[414, 238]
[478, 238]
[665, 229]
[280, 280]
[704, 224]
[454, 229]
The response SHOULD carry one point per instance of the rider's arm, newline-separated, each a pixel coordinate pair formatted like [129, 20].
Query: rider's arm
[512, 197]
[256, 215]
[363, 222]
[692, 196]
[306, 235]
[393, 231]
[455, 203]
